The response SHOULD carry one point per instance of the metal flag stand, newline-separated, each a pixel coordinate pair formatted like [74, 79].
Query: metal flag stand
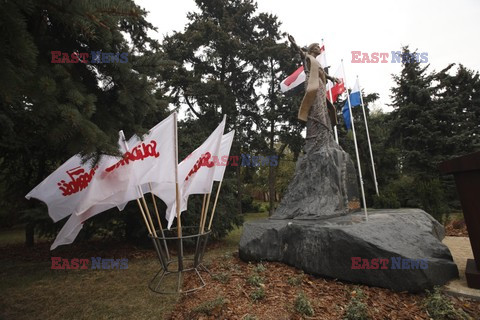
[173, 270]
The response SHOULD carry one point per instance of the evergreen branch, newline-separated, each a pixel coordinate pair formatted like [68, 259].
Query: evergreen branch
[191, 107]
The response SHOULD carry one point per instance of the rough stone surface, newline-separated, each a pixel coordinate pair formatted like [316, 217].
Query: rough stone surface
[325, 247]
[324, 185]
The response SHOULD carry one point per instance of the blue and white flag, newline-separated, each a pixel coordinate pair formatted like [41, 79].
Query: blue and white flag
[355, 100]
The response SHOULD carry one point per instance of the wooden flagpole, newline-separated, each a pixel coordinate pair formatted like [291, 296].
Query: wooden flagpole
[206, 212]
[214, 205]
[144, 217]
[148, 212]
[159, 221]
[202, 215]
[177, 200]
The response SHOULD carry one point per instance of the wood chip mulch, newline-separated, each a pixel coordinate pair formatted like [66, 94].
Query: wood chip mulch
[456, 228]
[228, 282]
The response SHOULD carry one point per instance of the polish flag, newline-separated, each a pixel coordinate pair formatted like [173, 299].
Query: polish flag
[298, 77]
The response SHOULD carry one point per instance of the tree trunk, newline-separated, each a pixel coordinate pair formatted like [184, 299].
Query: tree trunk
[271, 171]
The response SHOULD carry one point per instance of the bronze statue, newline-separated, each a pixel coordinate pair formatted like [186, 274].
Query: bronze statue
[315, 109]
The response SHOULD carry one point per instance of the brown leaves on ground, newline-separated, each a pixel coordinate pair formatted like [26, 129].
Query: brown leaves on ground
[228, 295]
[456, 228]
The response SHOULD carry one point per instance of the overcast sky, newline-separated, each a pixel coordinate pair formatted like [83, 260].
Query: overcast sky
[449, 31]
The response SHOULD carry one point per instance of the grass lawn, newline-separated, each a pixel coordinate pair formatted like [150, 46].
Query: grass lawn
[31, 290]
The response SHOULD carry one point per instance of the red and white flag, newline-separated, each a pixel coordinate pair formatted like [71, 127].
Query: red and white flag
[64, 189]
[195, 174]
[151, 160]
[223, 154]
[336, 88]
[158, 169]
[298, 77]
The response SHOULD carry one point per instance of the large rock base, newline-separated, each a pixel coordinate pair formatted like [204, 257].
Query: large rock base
[326, 247]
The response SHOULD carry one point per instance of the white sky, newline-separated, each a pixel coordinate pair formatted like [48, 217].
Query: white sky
[449, 31]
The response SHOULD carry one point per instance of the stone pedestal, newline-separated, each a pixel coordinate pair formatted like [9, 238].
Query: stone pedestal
[324, 185]
[409, 238]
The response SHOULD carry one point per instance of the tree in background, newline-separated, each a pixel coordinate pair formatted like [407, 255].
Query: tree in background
[435, 118]
[225, 55]
[51, 111]
[281, 127]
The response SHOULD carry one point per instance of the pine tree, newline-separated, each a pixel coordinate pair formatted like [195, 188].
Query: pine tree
[51, 111]
[217, 71]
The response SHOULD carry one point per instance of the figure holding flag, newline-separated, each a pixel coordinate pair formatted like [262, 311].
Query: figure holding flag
[319, 116]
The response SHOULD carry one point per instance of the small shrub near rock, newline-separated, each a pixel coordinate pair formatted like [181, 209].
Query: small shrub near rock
[357, 309]
[295, 280]
[303, 305]
[260, 268]
[255, 280]
[258, 294]
[440, 307]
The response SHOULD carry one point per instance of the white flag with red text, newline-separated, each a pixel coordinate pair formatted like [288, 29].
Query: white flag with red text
[151, 160]
[223, 155]
[65, 188]
[195, 174]
[74, 224]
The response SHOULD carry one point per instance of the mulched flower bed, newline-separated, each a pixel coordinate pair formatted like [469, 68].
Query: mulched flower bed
[234, 290]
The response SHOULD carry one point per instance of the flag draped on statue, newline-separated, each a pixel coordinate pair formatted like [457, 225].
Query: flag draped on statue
[298, 77]
[354, 101]
[195, 174]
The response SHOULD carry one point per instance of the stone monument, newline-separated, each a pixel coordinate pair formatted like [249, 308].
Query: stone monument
[316, 228]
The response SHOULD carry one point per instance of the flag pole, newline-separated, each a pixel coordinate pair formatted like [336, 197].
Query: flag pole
[159, 221]
[368, 138]
[149, 224]
[177, 200]
[214, 205]
[206, 212]
[202, 215]
[331, 100]
[355, 141]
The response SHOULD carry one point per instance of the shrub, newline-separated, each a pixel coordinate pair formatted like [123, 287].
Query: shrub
[260, 268]
[295, 280]
[258, 294]
[209, 307]
[255, 280]
[222, 277]
[357, 309]
[248, 205]
[387, 200]
[440, 307]
[303, 305]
